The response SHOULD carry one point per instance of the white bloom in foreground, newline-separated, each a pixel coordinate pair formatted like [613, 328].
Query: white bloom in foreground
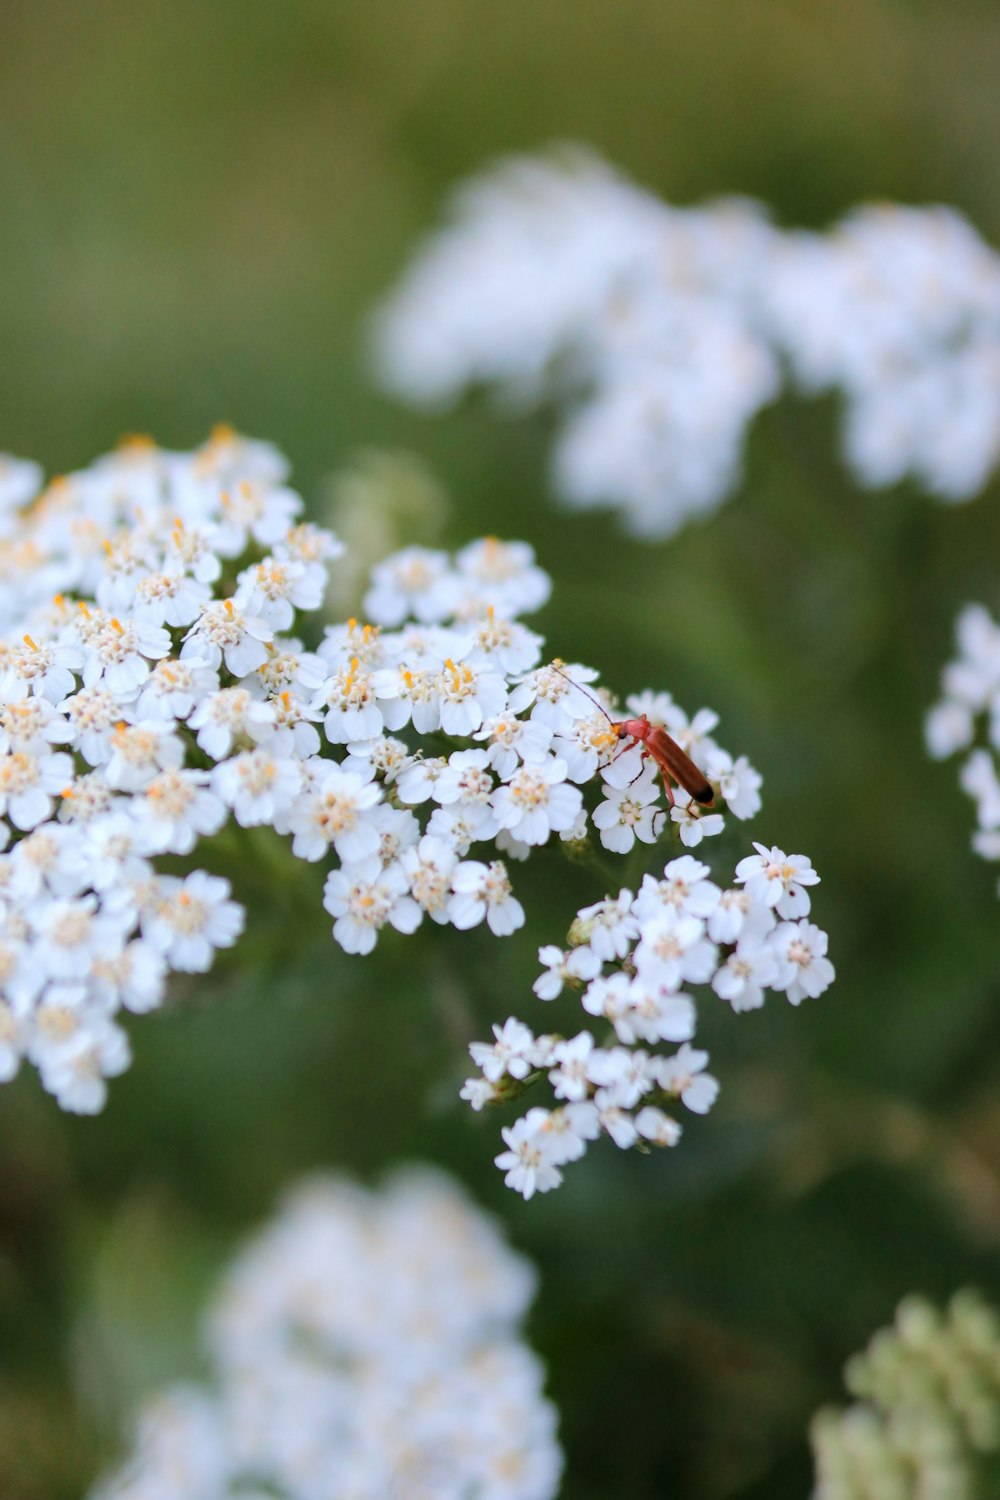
[363, 1343]
[363, 898]
[148, 705]
[777, 879]
[628, 958]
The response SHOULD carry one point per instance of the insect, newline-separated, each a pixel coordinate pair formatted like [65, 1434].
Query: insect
[671, 761]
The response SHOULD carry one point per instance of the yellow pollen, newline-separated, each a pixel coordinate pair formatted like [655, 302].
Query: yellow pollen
[229, 608]
[121, 726]
[490, 612]
[29, 642]
[81, 606]
[58, 601]
[222, 432]
[108, 547]
[117, 625]
[354, 664]
[408, 677]
[66, 792]
[352, 626]
[286, 699]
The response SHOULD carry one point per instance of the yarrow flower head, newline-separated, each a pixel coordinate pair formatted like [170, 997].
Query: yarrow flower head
[363, 1344]
[412, 756]
[662, 332]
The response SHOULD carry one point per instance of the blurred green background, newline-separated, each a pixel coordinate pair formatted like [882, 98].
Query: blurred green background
[200, 203]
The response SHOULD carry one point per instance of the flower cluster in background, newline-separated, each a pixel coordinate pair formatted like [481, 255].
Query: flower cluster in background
[661, 332]
[967, 718]
[927, 1417]
[364, 1345]
[630, 961]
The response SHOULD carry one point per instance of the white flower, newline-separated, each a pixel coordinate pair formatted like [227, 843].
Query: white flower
[363, 898]
[609, 926]
[528, 1162]
[684, 887]
[673, 950]
[751, 969]
[429, 867]
[175, 809]
[537, 801]
[684, 1075]
[484, 891]
[738, 782]
[778, 879]
[512, 740]
[349, 697]
[726, 922]
[224, 633]
[466, 778]
[513, 1051]
[258, 786]
[137, 752]
[468, 696]
[569, 1078]
[628, 814]
[415, 584]
[653, 1125]
[272, 590]
[76, 1074]
[191, 918]
[118, 652]
[222, 716]
[335, 811]
[173, 688]
[478, 1092]
[28, 783]
[694, 824]
[801, 952]
[575, 967]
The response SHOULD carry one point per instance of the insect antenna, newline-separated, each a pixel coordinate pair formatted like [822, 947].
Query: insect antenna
[594, 700]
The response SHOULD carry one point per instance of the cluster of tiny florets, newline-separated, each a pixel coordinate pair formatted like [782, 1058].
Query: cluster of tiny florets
[630, 962]
[153, 689]
[967, 720]
[927, 1412]
[661, 332]
[364, 1345]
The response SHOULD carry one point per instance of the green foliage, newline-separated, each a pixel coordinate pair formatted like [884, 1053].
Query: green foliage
[200, 204]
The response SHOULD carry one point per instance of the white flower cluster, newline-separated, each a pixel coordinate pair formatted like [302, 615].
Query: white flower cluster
[926, 1421]
[152, 689]
[967, 714]
[364, 1345]
[661, 332]
[631, 959]
[899, 309]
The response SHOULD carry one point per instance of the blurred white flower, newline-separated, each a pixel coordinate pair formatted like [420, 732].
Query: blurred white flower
[363, 1344]
[660, 333]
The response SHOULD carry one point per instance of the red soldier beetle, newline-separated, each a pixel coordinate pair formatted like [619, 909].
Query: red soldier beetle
[673, 763]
